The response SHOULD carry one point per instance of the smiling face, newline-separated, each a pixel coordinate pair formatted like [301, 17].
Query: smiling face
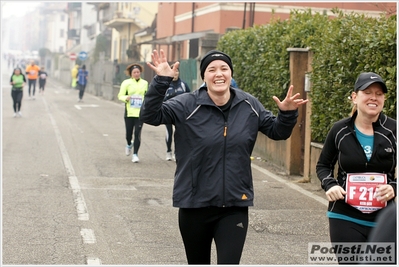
[369, 101]
[217, 77]
[136, 73]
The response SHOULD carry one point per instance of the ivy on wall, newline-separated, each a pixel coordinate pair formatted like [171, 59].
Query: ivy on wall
[343, 47]
[102, 45]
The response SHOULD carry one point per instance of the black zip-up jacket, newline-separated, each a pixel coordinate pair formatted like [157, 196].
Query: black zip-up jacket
[213, 153]
[342, 146]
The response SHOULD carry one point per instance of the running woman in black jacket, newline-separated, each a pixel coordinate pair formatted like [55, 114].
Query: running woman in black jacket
[216, 128]
[364, 148]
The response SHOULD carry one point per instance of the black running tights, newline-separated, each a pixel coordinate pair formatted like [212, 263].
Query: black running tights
[130, 124]
[32, 83]
[17, 99]
[345, 231]
[226, 226]
[168, 137]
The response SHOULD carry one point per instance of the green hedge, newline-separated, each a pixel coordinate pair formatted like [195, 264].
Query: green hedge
[343, 47]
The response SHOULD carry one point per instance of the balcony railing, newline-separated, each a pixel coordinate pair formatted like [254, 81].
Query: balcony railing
[74, 34]
[74, 6]
[93, 30]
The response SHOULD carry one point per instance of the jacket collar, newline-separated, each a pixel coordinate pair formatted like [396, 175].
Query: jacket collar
[382, 118]
[204, 99]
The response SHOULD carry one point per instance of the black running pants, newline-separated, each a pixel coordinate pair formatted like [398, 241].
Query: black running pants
[226, 226]
[168, 137]
[130, 124]
[346, 231]
[17, 99]
[32, 83]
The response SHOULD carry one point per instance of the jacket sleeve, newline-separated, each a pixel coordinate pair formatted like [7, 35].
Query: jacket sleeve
[326, 162]
[23, 76]
[122, 95]
[392, 178]
[151, 110]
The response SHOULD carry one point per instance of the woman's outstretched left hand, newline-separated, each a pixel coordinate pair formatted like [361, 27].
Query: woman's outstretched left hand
[290, 102]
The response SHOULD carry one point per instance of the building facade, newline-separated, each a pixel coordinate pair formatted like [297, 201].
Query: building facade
[54, 27]
[131, 30]
[128, 20]
[181, 25]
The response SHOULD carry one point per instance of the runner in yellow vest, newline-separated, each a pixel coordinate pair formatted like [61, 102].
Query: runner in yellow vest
[74, 74]
[132, 92]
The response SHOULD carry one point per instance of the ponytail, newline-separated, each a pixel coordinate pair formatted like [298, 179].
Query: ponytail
[354, 108]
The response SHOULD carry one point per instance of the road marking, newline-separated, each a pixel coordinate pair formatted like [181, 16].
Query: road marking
[293, 186]
[93, 261]
[85, 106]
[81, 207]
[73, 180]
[88, 236]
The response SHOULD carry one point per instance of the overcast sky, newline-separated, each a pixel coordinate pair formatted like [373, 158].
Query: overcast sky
[16, 8]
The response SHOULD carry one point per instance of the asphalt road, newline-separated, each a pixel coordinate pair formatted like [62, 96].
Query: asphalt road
[72, 197]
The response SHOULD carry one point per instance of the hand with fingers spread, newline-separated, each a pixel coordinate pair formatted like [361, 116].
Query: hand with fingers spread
[160, 64]
[290, 102]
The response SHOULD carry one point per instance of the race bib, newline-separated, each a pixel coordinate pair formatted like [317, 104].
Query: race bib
[361, 190]
[43, 76]
[136, 101]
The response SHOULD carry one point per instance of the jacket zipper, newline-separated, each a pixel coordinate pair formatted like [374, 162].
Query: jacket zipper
[364, 154]
[224, 164]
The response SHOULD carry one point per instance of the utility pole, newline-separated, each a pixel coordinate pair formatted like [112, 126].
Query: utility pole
[245, 15]
[252, 14]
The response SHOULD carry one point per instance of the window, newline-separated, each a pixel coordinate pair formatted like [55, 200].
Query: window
[62, 17]
[124, 48]
[115, 53]
[62, 33]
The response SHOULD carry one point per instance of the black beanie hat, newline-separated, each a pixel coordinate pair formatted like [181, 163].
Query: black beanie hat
[214, 55]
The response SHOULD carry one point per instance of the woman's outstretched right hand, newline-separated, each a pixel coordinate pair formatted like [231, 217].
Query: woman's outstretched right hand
[160, 64]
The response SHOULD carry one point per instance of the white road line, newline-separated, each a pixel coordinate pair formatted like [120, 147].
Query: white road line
[293, 186]
[93, 261]
[80, 204]
[90, 106]
[73, 180]
[88, 236]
